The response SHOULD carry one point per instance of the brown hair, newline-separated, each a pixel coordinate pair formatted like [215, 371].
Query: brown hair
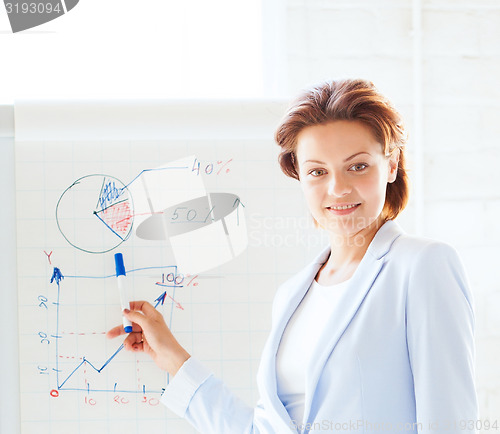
[356, 100]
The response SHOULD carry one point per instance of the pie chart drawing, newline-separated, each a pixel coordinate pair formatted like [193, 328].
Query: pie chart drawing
[95, 214]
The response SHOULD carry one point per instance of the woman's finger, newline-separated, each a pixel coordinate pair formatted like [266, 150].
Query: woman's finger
[119, 330]
[143, 306]
[136, 317]
[115, 331]
[132, 340]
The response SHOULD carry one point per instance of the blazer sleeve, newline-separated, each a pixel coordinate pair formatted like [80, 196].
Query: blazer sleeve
[196, 395]
[440, 337]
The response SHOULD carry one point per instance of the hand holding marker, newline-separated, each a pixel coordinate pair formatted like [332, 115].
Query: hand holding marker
[122, 287]
[160, 344]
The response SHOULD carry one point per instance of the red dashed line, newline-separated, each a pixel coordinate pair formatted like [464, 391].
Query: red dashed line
[83, 334]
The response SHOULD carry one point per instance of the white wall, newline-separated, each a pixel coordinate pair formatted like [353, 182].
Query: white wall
[457, 194]
[125, 49]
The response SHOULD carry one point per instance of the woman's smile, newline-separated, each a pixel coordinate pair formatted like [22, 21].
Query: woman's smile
[343, 209]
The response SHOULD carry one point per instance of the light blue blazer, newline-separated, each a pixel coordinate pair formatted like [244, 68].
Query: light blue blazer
[397, 355]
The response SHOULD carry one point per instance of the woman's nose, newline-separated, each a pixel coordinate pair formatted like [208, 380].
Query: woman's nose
[338, 186]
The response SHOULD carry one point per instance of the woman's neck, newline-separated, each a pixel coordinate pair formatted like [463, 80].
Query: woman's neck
[348, 250]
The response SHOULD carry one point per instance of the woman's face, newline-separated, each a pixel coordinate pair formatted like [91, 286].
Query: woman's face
[342, 164]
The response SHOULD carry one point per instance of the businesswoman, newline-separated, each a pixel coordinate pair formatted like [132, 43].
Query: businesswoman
[376, 333]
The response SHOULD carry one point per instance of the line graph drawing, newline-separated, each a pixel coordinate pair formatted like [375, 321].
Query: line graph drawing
[173, 281]
[98, 370]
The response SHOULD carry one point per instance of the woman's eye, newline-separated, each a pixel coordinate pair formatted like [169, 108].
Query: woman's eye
[357, 167]
[316, 172]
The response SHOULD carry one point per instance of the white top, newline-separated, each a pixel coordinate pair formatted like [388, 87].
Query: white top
[298, 342]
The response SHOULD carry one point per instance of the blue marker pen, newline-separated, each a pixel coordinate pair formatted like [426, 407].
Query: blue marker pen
[122, 287]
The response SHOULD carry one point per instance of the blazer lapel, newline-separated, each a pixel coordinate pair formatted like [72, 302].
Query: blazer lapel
[359, 286]
[267, 376]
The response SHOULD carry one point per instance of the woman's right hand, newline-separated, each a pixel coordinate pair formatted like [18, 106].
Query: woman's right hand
[151, 334]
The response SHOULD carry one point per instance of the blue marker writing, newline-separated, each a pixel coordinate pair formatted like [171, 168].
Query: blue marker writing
[122, 287]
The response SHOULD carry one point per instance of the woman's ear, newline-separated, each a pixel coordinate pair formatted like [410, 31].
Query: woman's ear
[393, 165]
